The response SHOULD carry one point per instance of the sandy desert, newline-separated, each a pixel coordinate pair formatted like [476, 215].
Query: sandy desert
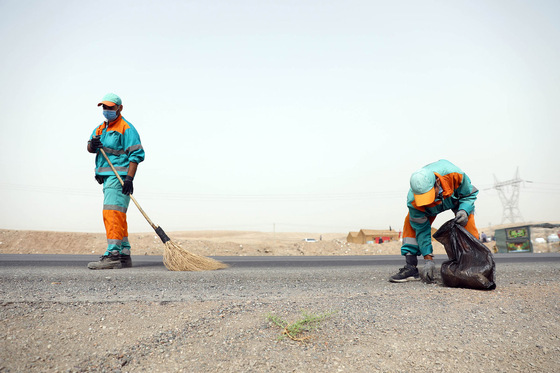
[227, 243]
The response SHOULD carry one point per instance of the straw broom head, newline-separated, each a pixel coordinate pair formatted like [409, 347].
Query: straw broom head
[175, 258]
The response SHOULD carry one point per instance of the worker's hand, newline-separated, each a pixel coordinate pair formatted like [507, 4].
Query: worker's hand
[427, 272]
[461, 217]
[95, 143]
[127, 187]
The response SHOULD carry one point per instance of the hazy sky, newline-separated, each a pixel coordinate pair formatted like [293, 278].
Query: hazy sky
[286, 115]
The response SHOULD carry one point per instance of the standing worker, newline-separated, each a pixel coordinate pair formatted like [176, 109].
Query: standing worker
[435, 188]
[120, 141]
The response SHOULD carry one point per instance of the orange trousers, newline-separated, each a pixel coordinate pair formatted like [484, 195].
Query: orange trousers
[115, 206]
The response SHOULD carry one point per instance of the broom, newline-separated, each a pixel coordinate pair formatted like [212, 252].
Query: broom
[175, 258]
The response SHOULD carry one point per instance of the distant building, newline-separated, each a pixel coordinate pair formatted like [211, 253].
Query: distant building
[365, 236]
[352, 237]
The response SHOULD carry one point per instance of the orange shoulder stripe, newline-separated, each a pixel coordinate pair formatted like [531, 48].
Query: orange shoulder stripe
[450, 182]
[120, 126]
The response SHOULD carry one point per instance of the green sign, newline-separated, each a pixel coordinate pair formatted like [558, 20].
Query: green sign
[518, 246]
[517, 233]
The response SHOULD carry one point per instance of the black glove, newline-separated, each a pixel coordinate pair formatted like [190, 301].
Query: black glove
[461, 218]
[95, 143]
[127, 187]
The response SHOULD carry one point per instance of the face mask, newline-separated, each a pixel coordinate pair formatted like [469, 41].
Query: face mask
[110, 115]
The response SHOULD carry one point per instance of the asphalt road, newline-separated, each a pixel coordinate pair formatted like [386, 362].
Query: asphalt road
[80, 261]
[65, 278]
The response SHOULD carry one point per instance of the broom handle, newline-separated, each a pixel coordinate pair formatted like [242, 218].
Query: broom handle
[122, 183]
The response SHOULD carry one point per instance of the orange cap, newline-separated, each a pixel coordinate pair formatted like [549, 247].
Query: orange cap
[108, 103]
[425, 198]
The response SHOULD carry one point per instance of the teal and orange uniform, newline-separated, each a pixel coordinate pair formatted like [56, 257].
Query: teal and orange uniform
[455, 193]
[122, 145]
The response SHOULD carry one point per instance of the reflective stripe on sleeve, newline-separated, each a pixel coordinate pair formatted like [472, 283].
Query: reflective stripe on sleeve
[133, 148]
[474, 190]
[419, 220]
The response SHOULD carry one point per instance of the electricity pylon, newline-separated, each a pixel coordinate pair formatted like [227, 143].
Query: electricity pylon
[509, 195]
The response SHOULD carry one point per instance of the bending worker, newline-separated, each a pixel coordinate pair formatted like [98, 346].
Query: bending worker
[121, 143]
[435, 188]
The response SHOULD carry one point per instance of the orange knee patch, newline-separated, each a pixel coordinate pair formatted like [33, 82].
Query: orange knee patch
[115, 224]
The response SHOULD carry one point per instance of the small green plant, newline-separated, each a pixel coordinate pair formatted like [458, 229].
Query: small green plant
[296, 330]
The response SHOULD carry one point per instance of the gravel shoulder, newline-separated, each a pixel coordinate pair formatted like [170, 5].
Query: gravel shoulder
[152, 320]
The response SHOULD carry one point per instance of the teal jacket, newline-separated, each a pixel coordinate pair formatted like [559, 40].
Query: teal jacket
[456, 193]
[122, 145]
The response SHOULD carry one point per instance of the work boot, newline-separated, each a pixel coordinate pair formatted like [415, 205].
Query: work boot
[407, 273]
[126, 261]
[111, 261]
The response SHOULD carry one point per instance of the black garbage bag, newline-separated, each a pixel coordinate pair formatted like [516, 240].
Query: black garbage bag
[470, 265]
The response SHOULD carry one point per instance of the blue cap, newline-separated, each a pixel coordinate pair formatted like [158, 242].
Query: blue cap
[110, 99]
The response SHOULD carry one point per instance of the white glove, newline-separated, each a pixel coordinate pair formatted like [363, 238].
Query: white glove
[427, 272]
[461, 217]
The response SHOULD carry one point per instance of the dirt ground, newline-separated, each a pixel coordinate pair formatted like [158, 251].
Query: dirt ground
[222, 243]
[208, 243]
